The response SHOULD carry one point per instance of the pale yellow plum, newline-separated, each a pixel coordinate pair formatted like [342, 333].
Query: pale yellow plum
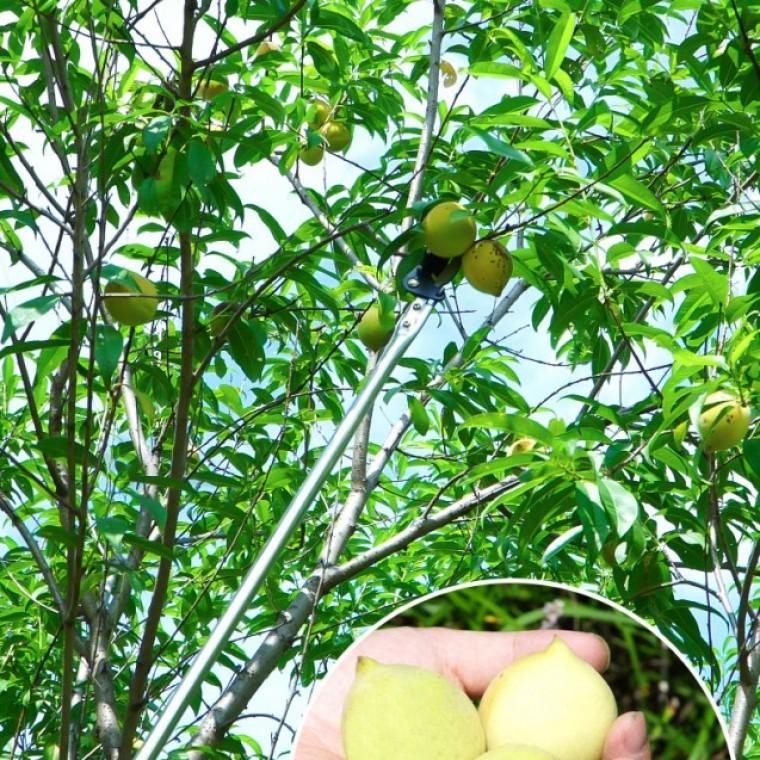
[522, 446]
[724, 421]
[408, 713]
[516, 752]
[551, 700]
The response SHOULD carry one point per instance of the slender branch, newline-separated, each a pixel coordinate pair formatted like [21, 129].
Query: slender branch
[106, 715]
[419, 528]
[308, 201]
[746, 42]
[78, 707]
[39, 558]
[744, 608]
[40, 185]
[745, 702]
[639, 317]
[144, 663]
[344, 525]
[253, 39]
[431, 109]
[245, 684]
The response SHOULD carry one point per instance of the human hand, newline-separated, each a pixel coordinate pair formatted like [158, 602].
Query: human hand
[471, 659]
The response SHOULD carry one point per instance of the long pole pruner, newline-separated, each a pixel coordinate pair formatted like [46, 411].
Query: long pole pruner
[425, 281]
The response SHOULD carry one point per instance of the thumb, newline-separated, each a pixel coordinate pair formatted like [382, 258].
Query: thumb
[627, 739]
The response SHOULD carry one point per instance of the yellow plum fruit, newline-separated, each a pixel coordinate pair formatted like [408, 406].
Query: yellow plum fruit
[487, 266]
[408, 713]
[724, 421]
[516, 752]
[552, 700]
[449, 230]
[522, 446]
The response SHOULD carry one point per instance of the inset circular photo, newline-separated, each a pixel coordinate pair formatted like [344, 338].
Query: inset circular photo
[512, 670]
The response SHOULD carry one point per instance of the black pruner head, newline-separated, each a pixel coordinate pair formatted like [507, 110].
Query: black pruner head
[428, 278]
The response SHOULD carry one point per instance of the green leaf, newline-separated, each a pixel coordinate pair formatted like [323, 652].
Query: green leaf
[259, 146]
[29, 311]
[274, 227]
[109, 344]
[116, 525]
[339, 23]
[565, 84]
[751, 449]
[594, 517]
[154, 507]
[621, 503]
[246, 341]
[156, 132]
[30, 346]
[510, 119]
[200, 163]
[9, 179]
[501, 148]
[419, 415]
[57, 447]
[686, 358]
[507, 422]
[559, 543]
[500, 70]
[57, 534]
[637, 192]
[559, 41]
[150, 547]
[714, 283]
[324, 61]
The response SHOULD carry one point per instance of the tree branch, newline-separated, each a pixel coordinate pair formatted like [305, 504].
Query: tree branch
[308, 201]
[431, 110]
[253, 39]
[144, 663]
[745, 701]
[245, 684]
[39, 559]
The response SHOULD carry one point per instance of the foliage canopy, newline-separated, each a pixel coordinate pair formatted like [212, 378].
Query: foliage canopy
[612, 147]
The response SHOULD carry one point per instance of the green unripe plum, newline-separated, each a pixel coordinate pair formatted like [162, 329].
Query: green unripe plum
[337, 136]
[448, 229]
[408, 713]
[312, 156]
[138, 304]
[371, 330]
[551, 700]
[320, 112]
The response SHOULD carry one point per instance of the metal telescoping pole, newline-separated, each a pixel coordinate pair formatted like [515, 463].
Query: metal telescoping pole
[409, 325]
